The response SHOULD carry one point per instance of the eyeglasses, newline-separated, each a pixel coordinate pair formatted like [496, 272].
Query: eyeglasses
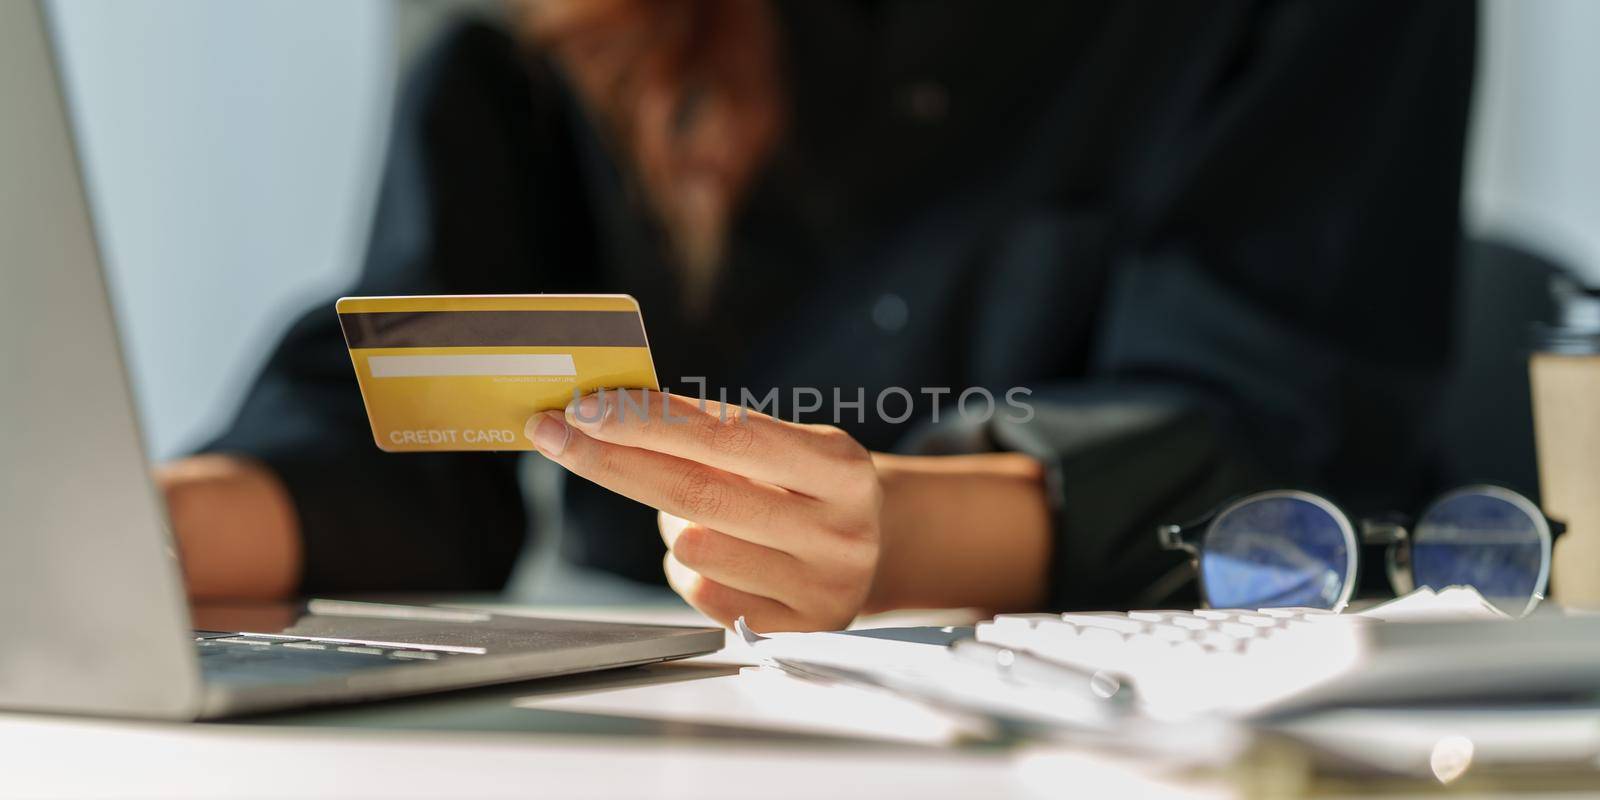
[1293, 548]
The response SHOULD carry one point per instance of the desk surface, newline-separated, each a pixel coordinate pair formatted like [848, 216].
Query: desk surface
[699, 728]
[695, 729]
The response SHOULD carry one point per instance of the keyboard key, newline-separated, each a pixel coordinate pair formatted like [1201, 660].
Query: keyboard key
[1055, 629]
[244, 640]
[419, 655]
[1024, 620]
[1215, 613]
[1100, 636]
[1191, 623]
[1295, 611]
[366, 651]
[1258, 620]
[1238, 630]
[306, 645]
[1156, 615]
[1107, 620]
[1001, 635]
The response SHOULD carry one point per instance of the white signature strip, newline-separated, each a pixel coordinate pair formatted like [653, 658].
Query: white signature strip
[469, 365]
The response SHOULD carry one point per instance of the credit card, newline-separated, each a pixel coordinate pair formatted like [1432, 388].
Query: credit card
[464, 372]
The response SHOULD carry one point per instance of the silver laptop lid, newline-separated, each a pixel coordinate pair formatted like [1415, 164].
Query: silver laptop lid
[92, 612]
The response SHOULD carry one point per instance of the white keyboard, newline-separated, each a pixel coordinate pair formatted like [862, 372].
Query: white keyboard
[1247, 662]
[1235, 661]
[1183, 632]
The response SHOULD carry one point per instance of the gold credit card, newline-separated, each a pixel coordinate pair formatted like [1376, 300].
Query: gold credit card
[464, 372]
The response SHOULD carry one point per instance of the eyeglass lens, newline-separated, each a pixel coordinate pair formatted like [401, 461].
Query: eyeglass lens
[1279, 550]
[1482, 540]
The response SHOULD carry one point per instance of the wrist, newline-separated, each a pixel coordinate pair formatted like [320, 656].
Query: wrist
[960, 531]
[234, 526]
[884, 594]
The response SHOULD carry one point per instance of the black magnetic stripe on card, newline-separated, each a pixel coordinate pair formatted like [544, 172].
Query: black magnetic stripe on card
[493, 329]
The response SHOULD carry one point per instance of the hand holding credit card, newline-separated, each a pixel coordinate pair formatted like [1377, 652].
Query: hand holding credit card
[763, 518]
[465, 372]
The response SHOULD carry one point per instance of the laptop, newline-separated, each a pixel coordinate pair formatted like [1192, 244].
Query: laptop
[96, 619]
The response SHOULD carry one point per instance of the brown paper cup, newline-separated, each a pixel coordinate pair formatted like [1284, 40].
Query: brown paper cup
[1565, 378]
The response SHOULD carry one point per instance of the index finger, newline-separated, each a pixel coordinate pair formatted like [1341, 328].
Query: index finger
[802, 458]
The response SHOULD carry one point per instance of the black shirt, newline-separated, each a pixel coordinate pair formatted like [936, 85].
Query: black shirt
[1214, 242]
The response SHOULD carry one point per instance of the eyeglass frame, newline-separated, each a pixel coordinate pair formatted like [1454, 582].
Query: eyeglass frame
[1392, 530]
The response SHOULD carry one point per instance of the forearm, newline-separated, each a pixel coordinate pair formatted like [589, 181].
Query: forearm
[235, 527]
[962, 531]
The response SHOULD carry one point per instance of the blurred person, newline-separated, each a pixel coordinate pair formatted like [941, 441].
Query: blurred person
[1212, 245]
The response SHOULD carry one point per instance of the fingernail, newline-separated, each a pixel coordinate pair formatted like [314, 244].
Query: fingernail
[549, 433]
[586, 412]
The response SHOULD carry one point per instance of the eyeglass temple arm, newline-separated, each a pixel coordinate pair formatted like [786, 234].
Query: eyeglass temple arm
[1182, 537]
[1393, 528]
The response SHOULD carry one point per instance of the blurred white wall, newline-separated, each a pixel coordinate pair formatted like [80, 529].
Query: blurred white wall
[1534, 168]
[231, 152]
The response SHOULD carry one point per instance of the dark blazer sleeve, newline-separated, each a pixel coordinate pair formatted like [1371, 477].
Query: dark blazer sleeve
[452, 218]
[1278, 311]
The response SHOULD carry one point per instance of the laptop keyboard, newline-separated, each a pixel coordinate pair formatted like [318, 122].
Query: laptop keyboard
[245, 658]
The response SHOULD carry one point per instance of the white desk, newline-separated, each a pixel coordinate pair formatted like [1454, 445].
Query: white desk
[702, 729]
[697, 731]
